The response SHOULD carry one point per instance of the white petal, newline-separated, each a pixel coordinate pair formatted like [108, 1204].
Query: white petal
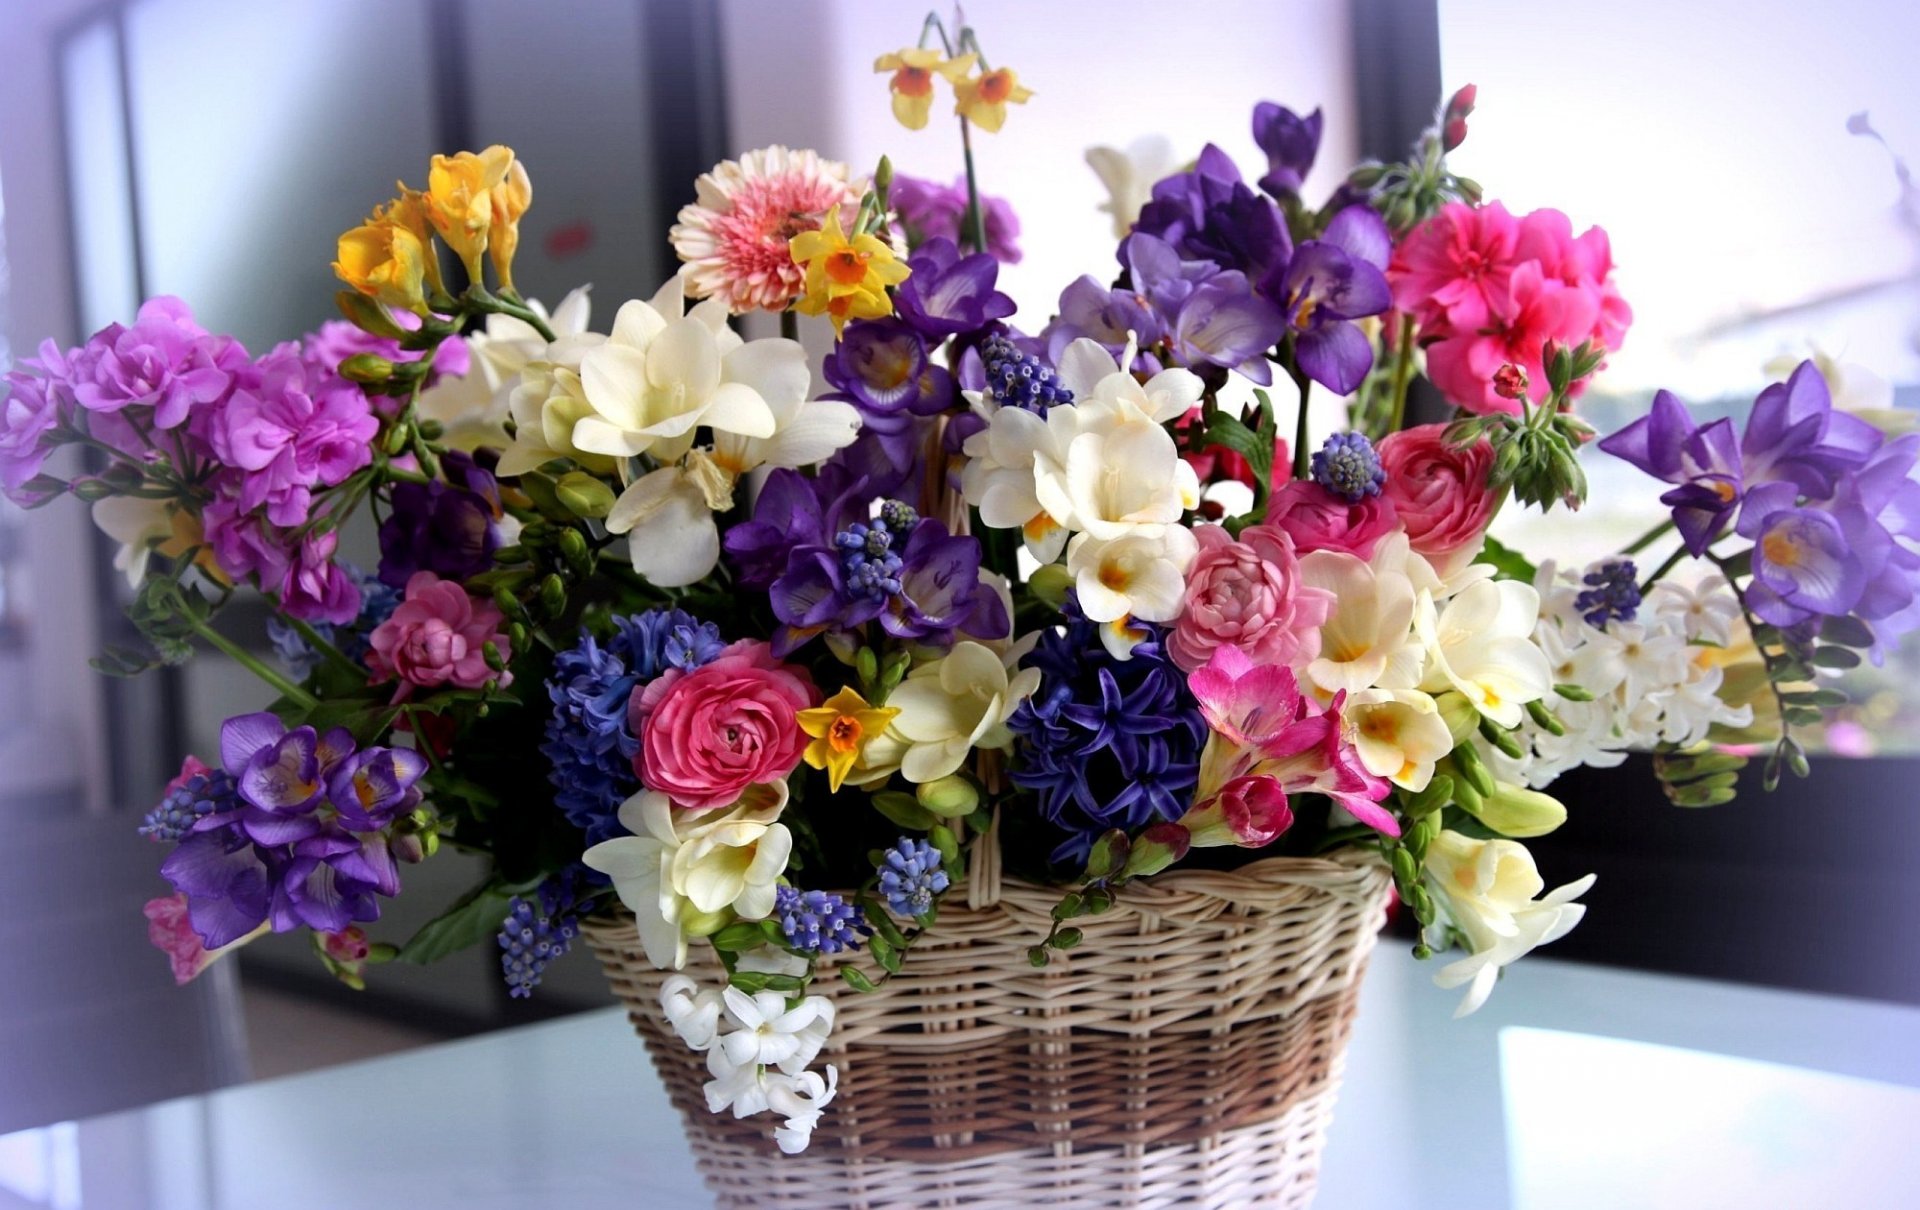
[739, 409]
[777, 369]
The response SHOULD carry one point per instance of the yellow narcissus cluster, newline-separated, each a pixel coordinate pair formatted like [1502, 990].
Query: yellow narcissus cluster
[981, 99]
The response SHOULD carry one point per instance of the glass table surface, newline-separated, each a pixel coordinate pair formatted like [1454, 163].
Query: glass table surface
[1575, 1087]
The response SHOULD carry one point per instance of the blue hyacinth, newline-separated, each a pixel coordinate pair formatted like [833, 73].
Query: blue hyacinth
[659, 639]
[535, 933]
[818, 922]
[198, 796]
[910, 876]
[1348, 467]
[1612, 595]
[1106, 743]
[1020, 380]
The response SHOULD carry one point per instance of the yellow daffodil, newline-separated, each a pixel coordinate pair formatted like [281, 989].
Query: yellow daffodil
[460, 200]
[840, 729]
[386, 262]
[912, 84]
[846, 278]
[983, 100]
[511, 197]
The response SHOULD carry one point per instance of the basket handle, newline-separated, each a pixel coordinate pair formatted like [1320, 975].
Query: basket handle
[983, 866]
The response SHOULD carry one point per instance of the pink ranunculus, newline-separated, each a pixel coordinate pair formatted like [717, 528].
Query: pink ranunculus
[1439, 491]
[172, 934]
[706, 735]
[438, 637]
[1317, 519]
[1248, 594]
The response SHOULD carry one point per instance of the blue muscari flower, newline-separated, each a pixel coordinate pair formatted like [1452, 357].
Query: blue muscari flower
[198, 796]
[1020, 380]
[536, 932]
[867, 561]
[899, 517]
[1106, 743]
[818, 921]
[1348, 467]
[1612, 594]
[910, 876]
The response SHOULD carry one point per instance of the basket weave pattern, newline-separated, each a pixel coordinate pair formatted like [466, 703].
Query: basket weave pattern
[1186, 1054]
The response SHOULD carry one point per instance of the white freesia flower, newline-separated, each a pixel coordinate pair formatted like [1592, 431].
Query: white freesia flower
[952, 705]
[998, 478]
[1129, 177]
[1120, 471]
[770, 1034]
[667, 516]
[1481, 645]
[682, 865]
[546, 404]
[1367, 640]
[141, 526]
[662, 374]
[1398, 734]
[472, 407]
[1487, 890]
[1142, 574]
[692, 1010]
[1096, 376]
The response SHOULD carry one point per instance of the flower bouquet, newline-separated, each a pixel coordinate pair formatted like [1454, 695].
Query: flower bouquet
[996, 759]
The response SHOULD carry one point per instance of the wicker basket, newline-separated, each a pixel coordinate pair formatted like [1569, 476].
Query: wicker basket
[1187, 1054]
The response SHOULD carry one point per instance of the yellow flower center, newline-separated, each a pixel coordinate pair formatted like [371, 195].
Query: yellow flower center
[1114, 576]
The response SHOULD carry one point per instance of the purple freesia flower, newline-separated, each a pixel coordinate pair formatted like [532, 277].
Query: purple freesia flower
[932, 211]
[792, 512]
[1108, 317]
[940, 590]
[1212, 317]
[1793, 434]
[882, 367]
[369, 789]
[1210, 214]
[286, 432]
[164, 361]
[949, 294]
[1704, 460]
[1329, 283]
[1291, 143]
[445, 527]
[1808, 560]
[281, 774]
[227, 881]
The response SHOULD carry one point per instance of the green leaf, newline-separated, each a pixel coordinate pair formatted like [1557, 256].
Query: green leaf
[1847, 631]
[1227, 431]
[883, 953]
[904, 811]
[473, 918]
[1815, 697]
[1835, 657]
[738, 936]
[1507, 561]
[883, 924]
[856, 978]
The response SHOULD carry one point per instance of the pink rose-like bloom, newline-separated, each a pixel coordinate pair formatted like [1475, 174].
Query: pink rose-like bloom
[30, 408]
[288, 430]
[1439, 491]
[1317, 519]
[1453, 268]
[706, 735]
[1248, 594]
[164, 361]
[316, 589]
[243, 543]
[438, 636]
[172, 934]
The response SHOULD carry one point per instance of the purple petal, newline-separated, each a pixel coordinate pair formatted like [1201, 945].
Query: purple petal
[245, 734]
[1335, 355]
[1362, 234]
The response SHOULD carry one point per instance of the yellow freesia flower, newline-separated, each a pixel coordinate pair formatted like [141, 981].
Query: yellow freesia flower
[841, 728]
[409, 210]
[846, 278]
[912, 84]
[459, 200]
[983, 100]
[511, 197]
[386, 262]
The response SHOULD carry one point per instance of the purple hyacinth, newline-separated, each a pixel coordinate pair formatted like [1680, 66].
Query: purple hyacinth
[1017, 379]
[1290, 142]
[447, 527]
[818, 922]
[867, 562]
[911, 874]
[1348, 467]
[1612, 593]
[949, 294]
[1327, 284]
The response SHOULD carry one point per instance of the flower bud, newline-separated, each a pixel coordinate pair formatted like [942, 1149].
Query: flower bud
[368, 316]
[950, 797]
[1155, 849]
[1510, 381]
[583, 495]
[1050, 584]
[1516, 811]
[1466, 758]
[1248, 811]
[706, 924]
[553, 595]
[1459, 714]
[92, 490]
[409, 847]
[368, 369]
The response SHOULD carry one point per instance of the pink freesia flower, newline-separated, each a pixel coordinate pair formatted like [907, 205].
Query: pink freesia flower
[164, 361]
[288, 431]
[706, 735]
[172, 933]
[1317, 519]
[1439, 491]
[244, 544]
[438, 636]
[1250, 812]
[1248, 594]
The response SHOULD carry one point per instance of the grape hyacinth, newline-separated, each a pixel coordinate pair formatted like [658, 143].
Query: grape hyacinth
[536, 932]
[1612, 594]
[1020, 380]
[910, 876]
[193, 798]
[866, 555]
[899, 517]
[1348, 467]
[818, 921]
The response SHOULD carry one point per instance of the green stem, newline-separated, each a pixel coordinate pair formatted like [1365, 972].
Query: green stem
[1673, 561]
[253, 663]
[1753, 628]
[484, 303]
[1402, 375]
[328, 651]
[1650, 537]
[976, 220]
[1302, 460]
[790, 324]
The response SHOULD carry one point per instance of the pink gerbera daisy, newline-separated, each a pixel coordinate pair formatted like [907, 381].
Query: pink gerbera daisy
[734, 237]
